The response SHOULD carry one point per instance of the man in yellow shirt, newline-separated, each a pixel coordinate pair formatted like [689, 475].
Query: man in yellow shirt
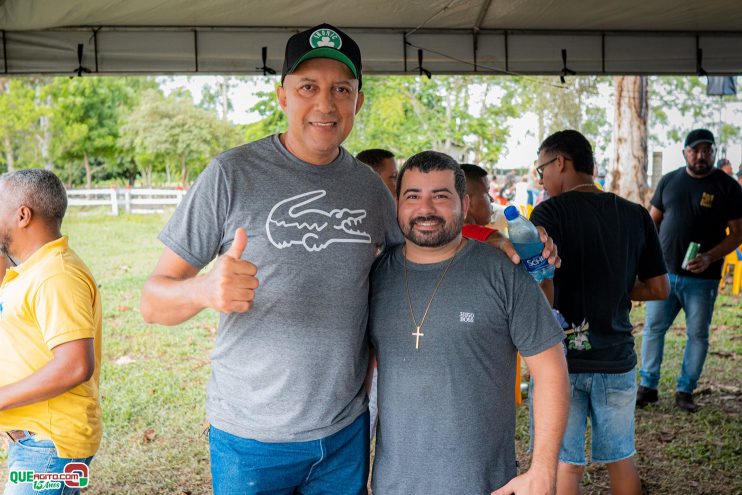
[50, 341]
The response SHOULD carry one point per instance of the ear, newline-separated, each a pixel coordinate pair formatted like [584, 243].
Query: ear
[465, 204]
[561, 163]
[24, 216]
[281, 95]
[359, 101]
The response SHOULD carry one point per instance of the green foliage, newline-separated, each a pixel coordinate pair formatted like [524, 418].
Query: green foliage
[101, 129]
[20, 109]
[174, 133]
[273, 119]
[687, 96]
[574, 105]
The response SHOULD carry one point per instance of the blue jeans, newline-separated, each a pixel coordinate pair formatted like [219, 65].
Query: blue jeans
[608, 399]
[334, 465]
[39, 456]
[696, 296]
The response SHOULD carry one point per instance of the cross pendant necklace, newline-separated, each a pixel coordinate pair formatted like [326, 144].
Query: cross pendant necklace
[418, 326]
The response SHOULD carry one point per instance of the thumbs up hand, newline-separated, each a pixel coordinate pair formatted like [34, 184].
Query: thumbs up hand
[231, 283]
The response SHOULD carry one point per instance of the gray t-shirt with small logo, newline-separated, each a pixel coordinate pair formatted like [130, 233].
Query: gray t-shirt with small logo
[447, 409]
[292, 368]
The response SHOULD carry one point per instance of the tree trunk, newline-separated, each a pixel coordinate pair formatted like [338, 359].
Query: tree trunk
[9, 159]
[223, 87]
[183, 171]
[45, 138]
[88, 171]
[627, 175]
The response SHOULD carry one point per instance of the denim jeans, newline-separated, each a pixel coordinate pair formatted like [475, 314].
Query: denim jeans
[696, 296]
[334, 465]
[608, 400]
[39, 456]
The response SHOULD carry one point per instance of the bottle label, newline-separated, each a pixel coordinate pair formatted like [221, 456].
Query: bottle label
[535, 263]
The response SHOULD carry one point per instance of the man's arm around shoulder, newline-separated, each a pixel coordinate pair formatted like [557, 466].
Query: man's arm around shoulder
[175, 292]
[550, 408]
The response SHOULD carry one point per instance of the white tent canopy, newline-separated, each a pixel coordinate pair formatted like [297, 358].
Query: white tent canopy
[455, 36]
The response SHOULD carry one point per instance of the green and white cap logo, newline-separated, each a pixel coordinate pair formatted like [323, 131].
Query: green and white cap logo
[325, 38]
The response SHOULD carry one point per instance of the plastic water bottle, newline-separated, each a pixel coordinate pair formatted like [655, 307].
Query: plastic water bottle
[528, 245]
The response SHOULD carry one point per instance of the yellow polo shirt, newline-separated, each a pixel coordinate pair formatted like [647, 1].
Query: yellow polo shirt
[49, 300]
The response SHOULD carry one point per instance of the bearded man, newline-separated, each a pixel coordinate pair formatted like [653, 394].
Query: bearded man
[448, 316]
[694, 204]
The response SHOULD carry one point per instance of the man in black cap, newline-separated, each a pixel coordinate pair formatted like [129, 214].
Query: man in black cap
[694, 204]
[286, 401]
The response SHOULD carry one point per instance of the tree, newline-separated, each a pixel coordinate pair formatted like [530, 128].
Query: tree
[19, 113]
[627, 176]
[85, 123]
[172, 131]
[466, 117]
[574, 105]
[686, 96]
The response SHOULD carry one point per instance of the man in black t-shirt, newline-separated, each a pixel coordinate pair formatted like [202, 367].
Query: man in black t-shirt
[696, 203]
[610, 255]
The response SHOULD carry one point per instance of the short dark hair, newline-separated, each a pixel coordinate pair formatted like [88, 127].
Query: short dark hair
[40, 190]
[428, 161]
[374, 157]
[473, 172]
[575, 146]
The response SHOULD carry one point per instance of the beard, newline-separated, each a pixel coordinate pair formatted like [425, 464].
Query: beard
[447, 233]
[700, 167]
[4, 244]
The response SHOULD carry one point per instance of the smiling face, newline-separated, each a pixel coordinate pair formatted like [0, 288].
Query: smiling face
[320, 99]
[430, 212]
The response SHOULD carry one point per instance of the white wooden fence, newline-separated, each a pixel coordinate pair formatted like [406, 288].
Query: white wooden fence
[129, 199]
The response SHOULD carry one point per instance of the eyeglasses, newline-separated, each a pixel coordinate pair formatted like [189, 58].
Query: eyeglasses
[540, 168]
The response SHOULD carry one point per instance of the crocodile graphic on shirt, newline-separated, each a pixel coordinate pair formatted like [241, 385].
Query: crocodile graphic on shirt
[293, 221]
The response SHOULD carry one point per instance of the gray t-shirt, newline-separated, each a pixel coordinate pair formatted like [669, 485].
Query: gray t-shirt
[292, 368]
[447, 410]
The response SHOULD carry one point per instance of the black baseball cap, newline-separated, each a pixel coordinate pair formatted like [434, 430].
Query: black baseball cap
[323, 41]
[698, 136]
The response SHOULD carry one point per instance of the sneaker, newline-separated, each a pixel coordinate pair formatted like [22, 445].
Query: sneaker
[646, 395]
[685, 402]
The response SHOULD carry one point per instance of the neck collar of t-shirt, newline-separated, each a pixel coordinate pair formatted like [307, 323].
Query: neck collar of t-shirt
[40, 254]
[420, 267]
[306, 166]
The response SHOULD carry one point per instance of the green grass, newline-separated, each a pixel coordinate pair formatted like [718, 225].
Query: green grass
[162, 388]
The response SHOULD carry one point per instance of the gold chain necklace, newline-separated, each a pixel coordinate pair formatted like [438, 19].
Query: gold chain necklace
[580, 186]
[417, 334]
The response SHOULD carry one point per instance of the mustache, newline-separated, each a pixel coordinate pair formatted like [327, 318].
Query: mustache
[429, 218]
